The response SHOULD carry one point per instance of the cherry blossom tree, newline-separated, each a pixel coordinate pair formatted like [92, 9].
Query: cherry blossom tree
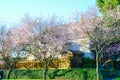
[12, 45]
[101, 37]
[47, 41]
[6, 48]
[100, 32]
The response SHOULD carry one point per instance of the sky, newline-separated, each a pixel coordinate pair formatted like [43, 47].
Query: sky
[11, 11]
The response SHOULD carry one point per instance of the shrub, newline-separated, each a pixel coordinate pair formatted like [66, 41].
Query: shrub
[76, 73]
[88, 63]
[110, 73]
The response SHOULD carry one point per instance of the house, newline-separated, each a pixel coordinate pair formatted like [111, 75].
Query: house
[80, 45]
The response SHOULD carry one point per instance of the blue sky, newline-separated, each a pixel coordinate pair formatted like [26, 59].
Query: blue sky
[12, 11]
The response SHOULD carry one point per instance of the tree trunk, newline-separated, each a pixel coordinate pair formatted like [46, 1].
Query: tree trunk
[9, 73]
[45, 73]
[97, 66]
[45, 70]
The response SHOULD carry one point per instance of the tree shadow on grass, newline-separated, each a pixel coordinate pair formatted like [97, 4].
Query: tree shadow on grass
[58, 73]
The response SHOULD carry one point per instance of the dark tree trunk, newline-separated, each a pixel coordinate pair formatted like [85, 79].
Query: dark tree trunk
[45, 74]
[97, 66]
[45, 69]
[9, 73]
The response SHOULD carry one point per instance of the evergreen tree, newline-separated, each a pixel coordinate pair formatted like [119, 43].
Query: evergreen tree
[105, 5]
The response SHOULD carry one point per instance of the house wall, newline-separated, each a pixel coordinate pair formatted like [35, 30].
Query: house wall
[81, 45]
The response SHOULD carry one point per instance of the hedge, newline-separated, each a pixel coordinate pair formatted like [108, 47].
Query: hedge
[71, 74]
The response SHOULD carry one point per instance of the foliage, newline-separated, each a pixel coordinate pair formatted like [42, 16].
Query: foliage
[88, 63]
[112, 18]
[110, 73]
[9, 50]
[105, 5]
[117, 78]
[76, 74]
[46, 41]
[101, 37]
[55, 63]
[76, 62]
